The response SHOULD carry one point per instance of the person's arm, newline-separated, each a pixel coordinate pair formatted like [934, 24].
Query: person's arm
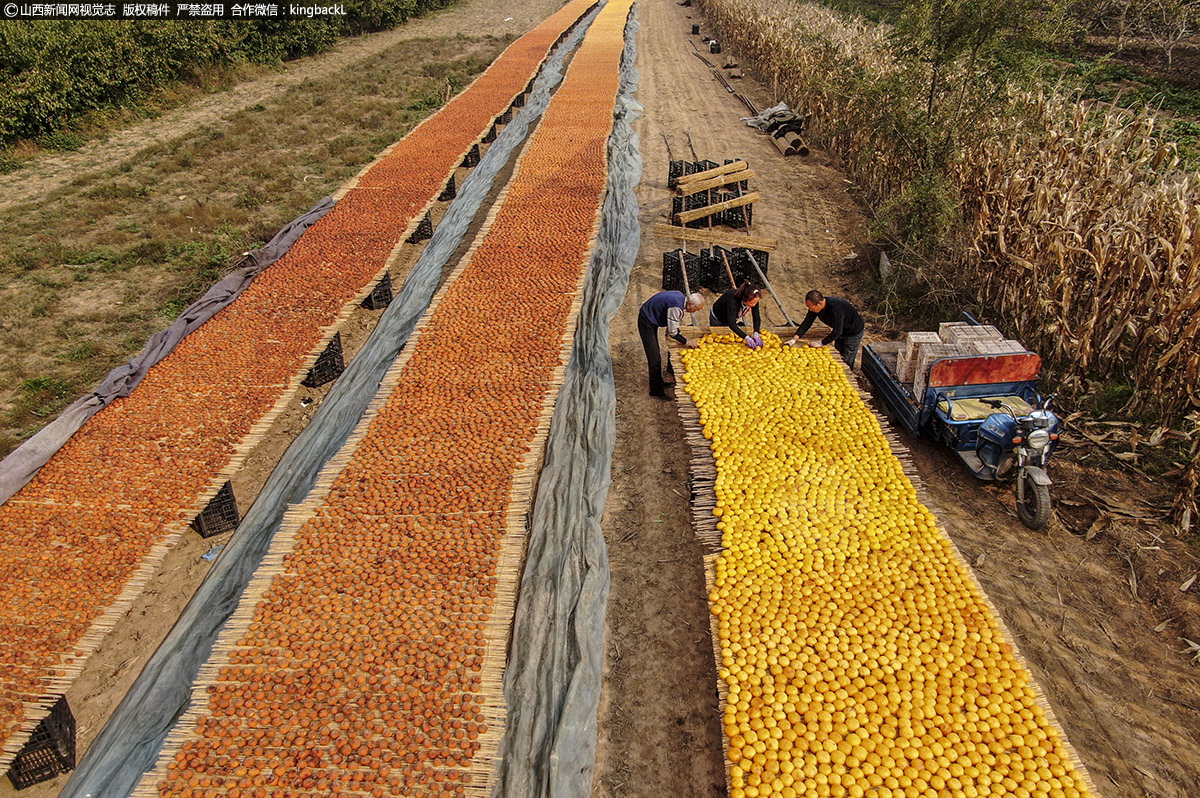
[804, 325]
[674, 319]
[757, 316]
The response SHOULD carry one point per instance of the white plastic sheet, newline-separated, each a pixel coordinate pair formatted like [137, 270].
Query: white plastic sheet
[552, 683]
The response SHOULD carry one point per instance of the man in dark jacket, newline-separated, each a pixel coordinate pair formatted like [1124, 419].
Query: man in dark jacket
[664, 309]
[846, 326]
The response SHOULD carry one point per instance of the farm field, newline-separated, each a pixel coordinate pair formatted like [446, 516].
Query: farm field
[1105, 650]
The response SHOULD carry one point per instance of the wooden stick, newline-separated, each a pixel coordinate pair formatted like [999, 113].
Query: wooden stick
[728, 168]
[708, 210]
[715, 237]
[728, 270]
[695, 186]
[763, 277]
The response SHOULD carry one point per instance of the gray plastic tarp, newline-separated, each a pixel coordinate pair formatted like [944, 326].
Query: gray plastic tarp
[552, 682]
[130, 741]
[20, 466]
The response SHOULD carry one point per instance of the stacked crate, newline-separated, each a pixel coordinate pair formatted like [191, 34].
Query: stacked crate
[953, 339]
[906, 364]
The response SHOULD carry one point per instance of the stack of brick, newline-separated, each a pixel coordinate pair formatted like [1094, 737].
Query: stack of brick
[962, 333]
[927, 354]
[998, 347]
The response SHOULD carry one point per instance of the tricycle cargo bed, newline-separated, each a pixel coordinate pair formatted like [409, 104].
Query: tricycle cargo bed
[969, 376]
[879, 366]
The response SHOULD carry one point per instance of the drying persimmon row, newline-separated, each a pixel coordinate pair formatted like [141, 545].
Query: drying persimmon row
[76, 536]
[362, 668]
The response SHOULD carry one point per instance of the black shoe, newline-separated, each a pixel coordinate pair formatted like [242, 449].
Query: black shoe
[661, 395]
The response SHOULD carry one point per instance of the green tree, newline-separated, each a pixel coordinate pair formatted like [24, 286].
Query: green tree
[959, 59]
[1168, 22]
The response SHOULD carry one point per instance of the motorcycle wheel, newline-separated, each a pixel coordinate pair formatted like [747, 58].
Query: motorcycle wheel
[1034, 509]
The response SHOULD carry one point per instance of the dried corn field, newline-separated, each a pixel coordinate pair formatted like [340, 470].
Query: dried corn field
[367, 657]
[1080, 228]
[126, 486]
[858, 655]
[1087, 242]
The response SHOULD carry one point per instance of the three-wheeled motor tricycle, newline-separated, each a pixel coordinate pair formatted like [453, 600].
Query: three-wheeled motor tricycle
[984, 406]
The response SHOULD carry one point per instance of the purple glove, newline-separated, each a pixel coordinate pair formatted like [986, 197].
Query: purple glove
[752, 342]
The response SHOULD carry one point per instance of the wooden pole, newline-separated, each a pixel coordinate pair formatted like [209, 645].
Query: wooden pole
[715, 236]
[763, 277]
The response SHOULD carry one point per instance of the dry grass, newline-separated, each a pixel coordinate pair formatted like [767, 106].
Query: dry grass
[1081, 231]
[88, 274]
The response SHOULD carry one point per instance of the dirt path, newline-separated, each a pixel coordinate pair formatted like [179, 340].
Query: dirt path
[53, 171]
[1109, 663]
[659, 726]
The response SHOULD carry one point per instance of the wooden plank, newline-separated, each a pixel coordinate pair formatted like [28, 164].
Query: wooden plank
[715, 237]
[736, 166]
[709, 210]
[724, 180]
[985, 369]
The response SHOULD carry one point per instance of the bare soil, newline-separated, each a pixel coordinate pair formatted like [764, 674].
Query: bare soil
[1106, 647]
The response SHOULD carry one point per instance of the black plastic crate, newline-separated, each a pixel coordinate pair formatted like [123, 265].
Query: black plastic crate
[672, 273]
[519, 100]
[743, 185]
[221, 514]
[714, 268]
[701, 199]
[739, 264]
[743, 269]
[506, 117]
[329, 365]
[449, 192]
[50, 751]
[381, 296]
[677, 169]
[690, 203]
[491, 134]
[738, 218]
[423, 232]
[472, 158]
